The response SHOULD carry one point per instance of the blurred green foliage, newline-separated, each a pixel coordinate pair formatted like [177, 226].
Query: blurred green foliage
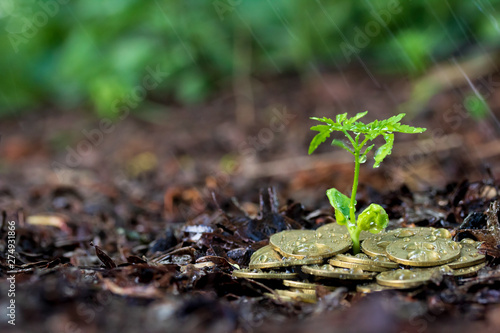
[476, 106]
[94, 53]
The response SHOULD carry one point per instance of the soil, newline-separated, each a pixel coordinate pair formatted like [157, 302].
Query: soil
[137, 226]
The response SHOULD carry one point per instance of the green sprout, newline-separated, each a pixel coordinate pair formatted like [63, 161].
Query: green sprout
[374, 218]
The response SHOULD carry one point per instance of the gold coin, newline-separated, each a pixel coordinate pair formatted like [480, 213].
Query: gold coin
[298, 295]
[305, 291]
[423, 253]
[338, 273]
[373, 287]
[277, 297]
[301, 244]
[258, 274]
[468, 271]
[405, 278]
[469, 254]
[335, 228]
[346, 264]
[266, 257]
[305, 285]
[361, 258]
[375, 244]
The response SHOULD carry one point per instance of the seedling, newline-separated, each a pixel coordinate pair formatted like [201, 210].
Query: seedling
[374, 218]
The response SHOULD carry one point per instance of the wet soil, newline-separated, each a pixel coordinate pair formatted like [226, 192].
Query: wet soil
[137, 225]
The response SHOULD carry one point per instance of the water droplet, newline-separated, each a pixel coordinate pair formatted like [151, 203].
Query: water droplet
[362, 159]
[429, 246]
[381, 259]
[383, 244]
[445, 269]
[410, 246]
[404, 274]
[441, 233]
[361, 256]
[405, 233]
[424, 255]
[356, 271]
[467, 241]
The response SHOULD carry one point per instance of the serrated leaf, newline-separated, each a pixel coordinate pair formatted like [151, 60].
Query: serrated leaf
[384, 150]
[401, 128]
[358, 127]
[367, 150]
[318, 139]
[340, 118]
[341, 204]
[324, 120]
[341, 144]
[321, 128]
[396, 119]
[357, 116]
[374, 124]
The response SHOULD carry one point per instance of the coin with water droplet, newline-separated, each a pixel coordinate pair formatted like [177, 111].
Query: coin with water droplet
[468, 271]
[375, 244]
[335, 228]
[364, 267]
[338, 273]
[280, 298]
[373, 287]
[305, 285]
[423, 253]
[267, 257]
[301, 244]
[268, 275]
[298, 295]
[469, 254]
[361, 258]
[405, 278]
[305, 291]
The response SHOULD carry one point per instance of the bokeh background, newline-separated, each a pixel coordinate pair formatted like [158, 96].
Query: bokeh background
[187, 92]
[74, 54]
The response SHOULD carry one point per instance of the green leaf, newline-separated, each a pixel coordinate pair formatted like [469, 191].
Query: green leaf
[357, 116]
[318, 139]
[324, 120]
[341, 204]
[359, 127]
[341, 144]
[401, 128]
[384, 150]
[396, 119]
[340, 118]
[367, 150]
[476, 106]
[371, 131]
[321, 128]
[373, 219]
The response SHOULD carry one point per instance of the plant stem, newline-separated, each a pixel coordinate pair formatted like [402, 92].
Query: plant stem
[355, 232]
[352, 225]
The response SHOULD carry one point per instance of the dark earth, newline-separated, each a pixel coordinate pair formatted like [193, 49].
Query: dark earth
[137, 225]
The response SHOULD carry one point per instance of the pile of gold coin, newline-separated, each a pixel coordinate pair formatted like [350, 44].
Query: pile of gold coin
[402, 258]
